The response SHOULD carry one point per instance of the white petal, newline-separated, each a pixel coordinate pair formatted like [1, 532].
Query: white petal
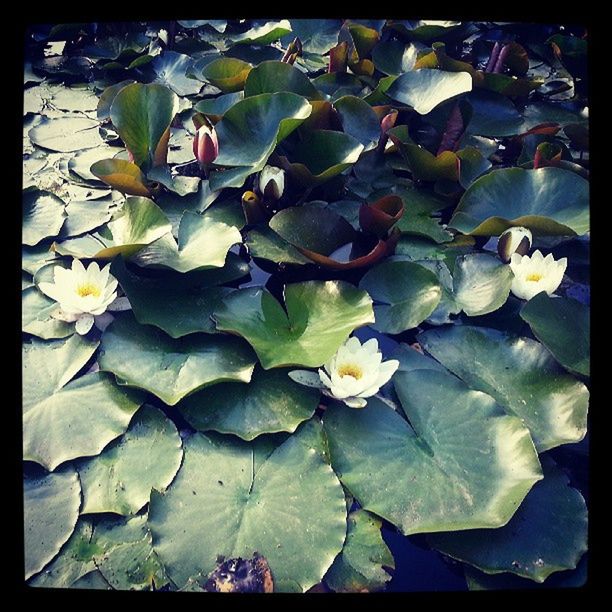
[371, 346]
[387, 370]
[355, 402]
[537, 256]
[64, 316]
[78, 267]
[53, 291]
[103, 321]
[84, 324]
[120, 304]
[307, 378]
[352, 344]
[325, 379]
[93, 269]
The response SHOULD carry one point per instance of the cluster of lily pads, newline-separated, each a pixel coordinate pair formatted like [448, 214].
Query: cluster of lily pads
[292, 286]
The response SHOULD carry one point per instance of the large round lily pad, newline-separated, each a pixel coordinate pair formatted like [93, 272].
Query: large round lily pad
[64, 420]
[319, 318]
[416, 475]
[548, 201]
[271, 402]
[51, 509]
[520, 374]
[547, 534]
[147, 456]
[143, 356]
[289, 508]
[274, 76]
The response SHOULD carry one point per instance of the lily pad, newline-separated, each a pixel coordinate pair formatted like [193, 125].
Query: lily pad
[267, 244]
[563, 326]
[64, 420]
[359, 120]
[142, 115]
[188, 308]
[363, 563]
[425, 482]
[145, 357]
[264, 34]
[36, 319]
[547, 534]
[548, 201]
[172, 69]
[227, 73]
[520, 374]
[424, 89]
[51, 509]
[319, 317]
[43, 216]
[202, 243]
[290, 508]
[481, 283]
[66, 134]
[404, 295]
[270, 403]
[122, 175]
[276, 76]
[147, 456]
[215, 108]
[86, 215]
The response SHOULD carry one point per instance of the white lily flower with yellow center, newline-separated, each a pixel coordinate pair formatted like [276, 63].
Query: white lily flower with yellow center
[535, 274]
[83, 294]
[353, 374]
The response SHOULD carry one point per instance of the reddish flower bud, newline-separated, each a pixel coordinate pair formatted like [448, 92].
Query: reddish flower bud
[388, 121]
[205, 144]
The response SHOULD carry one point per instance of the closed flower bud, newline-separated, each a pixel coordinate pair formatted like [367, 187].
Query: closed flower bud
[272, 183]
[388, 121]
[205, 144]
[514, 240]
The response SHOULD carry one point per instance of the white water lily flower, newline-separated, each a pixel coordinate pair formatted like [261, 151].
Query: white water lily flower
[356, 372]
[82, 294]
[535, 274]
[272, 182]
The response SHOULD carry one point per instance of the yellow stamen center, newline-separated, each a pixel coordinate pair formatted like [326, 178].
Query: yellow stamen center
[534, 277]
[88, 289]
[350, 369]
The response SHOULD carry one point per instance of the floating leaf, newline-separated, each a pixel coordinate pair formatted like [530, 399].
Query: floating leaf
[145, 357]
[215, 108]
[64, 420]
[86, 215]
[43, 216]
[425, 481]
[264, 34]
[202, 243]
[51, 509]
[66, 134]
[547, 534]
[290, 508]
[172, 69]
[227, 73]
[122, 175]
[404, 295]
[147, 456]
[424, 89]
[36, 319]
[481, 283]
[358, 120]
[267, 244]
[520, 374]
[563, 326]
[276, 76]
[363, 563]
[270, 403]
[548, 201]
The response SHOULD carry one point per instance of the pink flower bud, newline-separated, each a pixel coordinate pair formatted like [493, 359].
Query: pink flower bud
[205, 145]
[388, 121]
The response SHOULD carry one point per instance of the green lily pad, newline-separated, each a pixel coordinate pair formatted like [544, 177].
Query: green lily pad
[122, 175]
[563, 326]
[472, 164]
[290, 508]
[172, 69]
[36, 319]
[84, 216]
[74, 561]
[227, 73]
[187, 309]
[217, 107]
[270, 403]
[66, 134]
[264, 34]
[142, 114]
[145, 357]
[493, 115]
[359, 120]
[319, 317]
[318, 36]
[267, 244]
[547, 534]
[147, 456]
[202, 243]
[334, 85]
[43, 216]
[276, 76]
[481, 283]
[362, 564]
[424, 89]
[107, 97]
[64, 420]
[520, 374]
[51, 509]
[393, 57]
[125, 556]
[548, 201]
[404, 295]
[426, 482]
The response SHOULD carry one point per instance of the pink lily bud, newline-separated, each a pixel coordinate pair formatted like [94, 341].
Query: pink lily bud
[205, 144]
[388, 121]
